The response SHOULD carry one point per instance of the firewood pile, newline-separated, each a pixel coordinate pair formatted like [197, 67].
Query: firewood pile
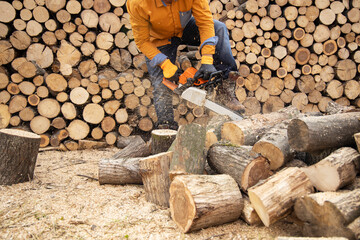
[70, 70]
[262, 169]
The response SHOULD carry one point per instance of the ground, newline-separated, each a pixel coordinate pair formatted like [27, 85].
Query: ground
[65, 201]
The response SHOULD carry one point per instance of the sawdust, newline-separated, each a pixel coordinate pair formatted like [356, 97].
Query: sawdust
[65, 201]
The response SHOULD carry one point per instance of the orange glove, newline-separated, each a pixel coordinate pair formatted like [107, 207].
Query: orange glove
[170, 70]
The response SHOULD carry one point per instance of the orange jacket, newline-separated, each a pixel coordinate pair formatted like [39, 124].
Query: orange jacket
[154, 23]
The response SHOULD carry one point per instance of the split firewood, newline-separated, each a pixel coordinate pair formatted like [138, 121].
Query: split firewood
[330, 214]
[201, 201]
[249, 214]
[272, 201]
[154, 171]
[18, 160]
[310, 133]
[335, 171]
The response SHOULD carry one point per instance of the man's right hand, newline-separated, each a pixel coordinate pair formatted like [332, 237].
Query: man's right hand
[170, 71]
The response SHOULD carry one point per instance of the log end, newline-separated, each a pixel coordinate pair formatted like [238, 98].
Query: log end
[260, 208]
[182, 205]
[233, 133]
[324, 178]
[271, 152]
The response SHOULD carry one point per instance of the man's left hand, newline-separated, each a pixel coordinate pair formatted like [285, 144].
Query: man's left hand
[206, 68]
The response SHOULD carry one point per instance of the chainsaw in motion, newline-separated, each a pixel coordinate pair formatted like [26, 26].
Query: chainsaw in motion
[195, 91]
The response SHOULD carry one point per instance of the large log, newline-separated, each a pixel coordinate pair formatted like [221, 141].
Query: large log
[317, 133]
[329, 214]
[248, 131]
[18, 155]
[200, 201]
[188, 148]
[272, 201]
[335, 171]
[154, 171]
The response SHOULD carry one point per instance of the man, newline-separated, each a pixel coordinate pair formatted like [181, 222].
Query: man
[160, 26]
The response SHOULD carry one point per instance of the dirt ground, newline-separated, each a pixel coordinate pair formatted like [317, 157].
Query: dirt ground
[65, 201]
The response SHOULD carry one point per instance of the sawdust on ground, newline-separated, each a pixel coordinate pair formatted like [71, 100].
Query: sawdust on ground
[65, 201]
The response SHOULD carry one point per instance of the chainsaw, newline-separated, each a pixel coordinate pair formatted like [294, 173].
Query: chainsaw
[195, 91]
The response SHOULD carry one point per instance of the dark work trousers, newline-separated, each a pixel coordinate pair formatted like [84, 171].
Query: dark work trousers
[223, 60]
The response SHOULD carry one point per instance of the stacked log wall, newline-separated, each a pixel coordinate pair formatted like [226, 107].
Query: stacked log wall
[70, 70]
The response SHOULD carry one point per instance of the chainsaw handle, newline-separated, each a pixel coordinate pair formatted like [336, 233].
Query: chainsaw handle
[169, 84]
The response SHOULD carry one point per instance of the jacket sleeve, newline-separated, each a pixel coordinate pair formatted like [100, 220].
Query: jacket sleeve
[141, 30]
[205, 23]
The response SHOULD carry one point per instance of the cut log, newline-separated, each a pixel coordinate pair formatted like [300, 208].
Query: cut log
[154, 171]
[200, 201]
[317, 133]
[248, 131]
[161, 140]
[7, 53]
[119, 171]
[49, 108]
[78, 129]
[329, 214]
[335, 171]
[137, 148]
[233, 160]
[18, 156]
[188, 148]
[249, 214]
[346, 69]
[274, 146]
[272, 201]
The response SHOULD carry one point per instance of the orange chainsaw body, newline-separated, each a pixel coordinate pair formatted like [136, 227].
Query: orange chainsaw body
[190, 73]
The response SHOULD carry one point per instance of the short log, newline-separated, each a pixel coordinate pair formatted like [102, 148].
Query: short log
[154, 171]
[201, 201]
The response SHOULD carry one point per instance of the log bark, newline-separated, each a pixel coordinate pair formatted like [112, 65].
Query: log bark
[18, 155]
[335, 171]
[201, 201]
[272, 201]
[213, 129]
[154, 171]
[188, 148]
[316, 133]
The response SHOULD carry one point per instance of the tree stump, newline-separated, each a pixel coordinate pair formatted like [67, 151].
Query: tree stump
[18, 155]
[161, 140]
[200, 201]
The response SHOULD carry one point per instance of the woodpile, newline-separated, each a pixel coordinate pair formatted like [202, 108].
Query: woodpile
[74, 66]
[262, 182]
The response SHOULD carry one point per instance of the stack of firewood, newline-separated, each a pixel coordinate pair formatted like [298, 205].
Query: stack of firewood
[70, 70]
[275, 165]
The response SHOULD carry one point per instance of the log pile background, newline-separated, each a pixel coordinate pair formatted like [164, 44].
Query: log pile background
[70, 70]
